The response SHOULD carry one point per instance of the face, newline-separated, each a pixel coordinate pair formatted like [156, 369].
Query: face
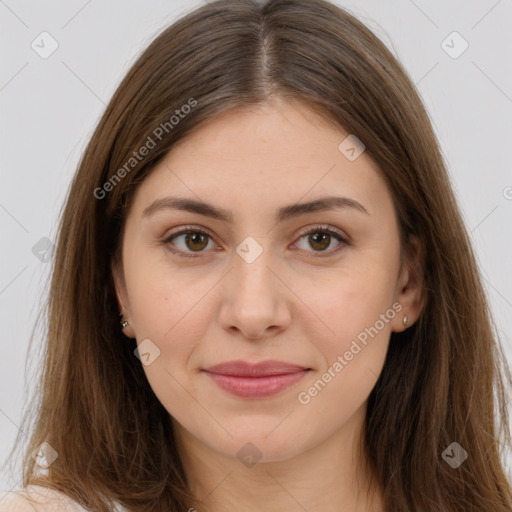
[317, 290]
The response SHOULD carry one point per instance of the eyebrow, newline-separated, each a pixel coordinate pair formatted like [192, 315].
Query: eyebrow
[284, 213]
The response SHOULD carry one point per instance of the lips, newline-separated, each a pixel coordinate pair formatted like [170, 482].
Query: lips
[262, 369]
[258, 380]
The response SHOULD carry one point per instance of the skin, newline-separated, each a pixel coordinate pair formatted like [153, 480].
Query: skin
[291, 304]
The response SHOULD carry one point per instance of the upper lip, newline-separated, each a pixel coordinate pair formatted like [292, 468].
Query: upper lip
[261, 369]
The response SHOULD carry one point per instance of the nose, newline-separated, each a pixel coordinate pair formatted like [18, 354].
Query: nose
[255, 302]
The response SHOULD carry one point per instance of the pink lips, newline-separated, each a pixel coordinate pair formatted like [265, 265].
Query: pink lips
[255, 380]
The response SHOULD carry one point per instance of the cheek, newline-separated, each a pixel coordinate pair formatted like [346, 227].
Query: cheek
[174, 311]
[356, 312]
[351, 358]
[164, 297]
[350, 301]
[175, 321]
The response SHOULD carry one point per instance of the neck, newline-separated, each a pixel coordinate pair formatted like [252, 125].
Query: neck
[330, 476]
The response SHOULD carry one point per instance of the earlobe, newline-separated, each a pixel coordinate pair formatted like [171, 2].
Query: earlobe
[410, 289]
[121, 297]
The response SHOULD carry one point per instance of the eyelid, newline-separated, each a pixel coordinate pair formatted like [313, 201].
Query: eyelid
[183, 230]
[322, 227]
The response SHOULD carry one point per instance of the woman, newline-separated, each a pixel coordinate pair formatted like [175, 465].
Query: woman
[264, 296]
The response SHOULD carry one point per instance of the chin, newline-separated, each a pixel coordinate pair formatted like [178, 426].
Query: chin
[264, 445]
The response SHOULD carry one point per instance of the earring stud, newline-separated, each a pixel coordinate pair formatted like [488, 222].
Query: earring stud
[405, 321]
[123, 323]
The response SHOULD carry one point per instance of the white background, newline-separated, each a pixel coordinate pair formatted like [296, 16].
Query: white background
[49, 108]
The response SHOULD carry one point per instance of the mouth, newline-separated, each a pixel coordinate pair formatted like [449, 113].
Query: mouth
[259, 380]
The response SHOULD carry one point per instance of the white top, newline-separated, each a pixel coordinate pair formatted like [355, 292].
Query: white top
[44, 500]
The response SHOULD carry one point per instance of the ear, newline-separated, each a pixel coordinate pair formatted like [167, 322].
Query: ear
[123, 303]
[410, 292]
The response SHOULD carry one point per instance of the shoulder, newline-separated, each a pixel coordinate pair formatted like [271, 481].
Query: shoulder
[36, 498]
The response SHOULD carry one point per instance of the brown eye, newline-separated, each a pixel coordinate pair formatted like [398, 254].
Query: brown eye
[196, 241]
[320, 239]
[188, 241]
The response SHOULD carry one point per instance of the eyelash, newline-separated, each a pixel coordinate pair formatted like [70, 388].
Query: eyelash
[324, 229]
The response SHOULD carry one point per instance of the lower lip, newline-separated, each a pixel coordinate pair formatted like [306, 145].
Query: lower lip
[256, 387]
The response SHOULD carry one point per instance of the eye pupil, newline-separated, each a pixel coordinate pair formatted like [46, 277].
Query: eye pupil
[319, 244]
[196, 238]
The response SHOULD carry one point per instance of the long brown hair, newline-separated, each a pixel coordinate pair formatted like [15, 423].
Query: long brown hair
[442, 381]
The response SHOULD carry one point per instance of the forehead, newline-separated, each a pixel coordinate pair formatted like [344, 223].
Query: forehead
[273, 153]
